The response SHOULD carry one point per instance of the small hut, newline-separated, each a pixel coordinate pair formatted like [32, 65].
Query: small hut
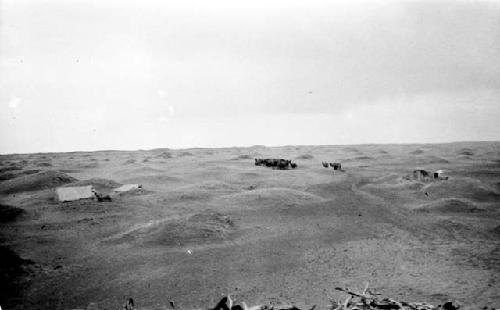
[439, 175]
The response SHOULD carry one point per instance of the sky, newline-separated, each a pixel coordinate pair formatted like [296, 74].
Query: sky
[102, 74]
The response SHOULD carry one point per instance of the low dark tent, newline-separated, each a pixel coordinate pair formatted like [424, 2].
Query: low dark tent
[420, 174]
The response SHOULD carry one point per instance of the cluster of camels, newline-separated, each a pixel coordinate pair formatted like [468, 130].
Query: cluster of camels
[335, 166]
[275, 163]
[283, 164]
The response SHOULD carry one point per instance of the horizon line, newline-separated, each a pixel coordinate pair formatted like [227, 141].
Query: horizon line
[249, 146]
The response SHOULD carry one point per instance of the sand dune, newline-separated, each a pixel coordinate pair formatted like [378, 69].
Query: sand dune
[466, 151]
[90, 165]
[157, 179]
[34, 182]
[196, 230]
[351, 150]
[215, 185]
[254, 232]
[270, 197]
[363, 158]
[164, 155]
[145, 171]
[466, 188]
[184, 154]
[417, 152]
[11, 167]
[450, 205]
[101, 185]
[430, 159]
[305, 156]
[244, 156]
[12, 175]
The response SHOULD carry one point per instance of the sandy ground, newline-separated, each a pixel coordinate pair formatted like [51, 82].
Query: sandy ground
[208, 222]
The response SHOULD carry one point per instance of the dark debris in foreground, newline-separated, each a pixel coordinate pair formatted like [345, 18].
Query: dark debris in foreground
[365, 300]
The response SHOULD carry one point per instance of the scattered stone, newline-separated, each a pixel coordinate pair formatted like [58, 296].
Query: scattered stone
[129, 305]
[451, 306]
[364, 300]
[92, 306]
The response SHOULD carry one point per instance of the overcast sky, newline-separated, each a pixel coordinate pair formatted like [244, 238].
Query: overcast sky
[89, 75]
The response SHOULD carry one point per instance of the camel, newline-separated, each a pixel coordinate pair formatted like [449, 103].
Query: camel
[336, 166]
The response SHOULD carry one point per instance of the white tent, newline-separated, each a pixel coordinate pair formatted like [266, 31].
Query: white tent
[75, 193]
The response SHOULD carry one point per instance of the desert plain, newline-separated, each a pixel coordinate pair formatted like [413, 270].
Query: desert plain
[209, 222]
